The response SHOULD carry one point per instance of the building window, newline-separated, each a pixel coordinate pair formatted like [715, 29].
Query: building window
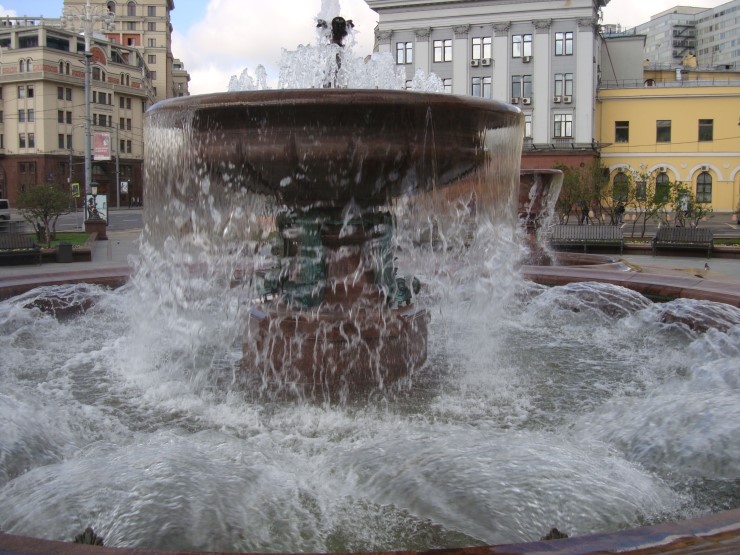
[151, 26]
[151, 43]
[60, 93]
[151, 59]
[527, 126]
[122, 146]
[521, 86]
[60, 138]
[128, 147]
[128, 103]
[704, 187]
[1, 116]
[68, 94]
[563, 128]
[21, 116]
[662, 187]
[621, 187]
[31, 115]
[30, 91]
[641, 190]
[131, 25]
[481, 48]
[564, 44]
[521, 46]
[151, 11]
[69, 142]
[21, 140]
[447, 83]
[153, 75]
[563, 84]
[128, 124]
[21, 91]
[404, 53]
[481, 87]
[60, 116]
[663, 131]
[111, 7]
[69, 117]
[131, 9]
[706, 130]
[443, 50]
[621, 131]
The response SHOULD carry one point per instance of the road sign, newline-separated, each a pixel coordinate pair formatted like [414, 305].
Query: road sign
[75, 190]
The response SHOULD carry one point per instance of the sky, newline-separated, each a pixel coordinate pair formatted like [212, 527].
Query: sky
[219, 38]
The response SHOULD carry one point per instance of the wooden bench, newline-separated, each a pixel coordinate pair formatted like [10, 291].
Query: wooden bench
[586, 236]
[18, 249]
[683, 238]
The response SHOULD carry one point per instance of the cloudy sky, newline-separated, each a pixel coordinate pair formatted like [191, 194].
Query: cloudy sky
[219, 38]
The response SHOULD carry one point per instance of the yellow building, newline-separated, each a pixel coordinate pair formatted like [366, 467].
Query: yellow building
[682, 124]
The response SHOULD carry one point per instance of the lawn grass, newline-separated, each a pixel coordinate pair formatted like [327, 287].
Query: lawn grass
[76, 239]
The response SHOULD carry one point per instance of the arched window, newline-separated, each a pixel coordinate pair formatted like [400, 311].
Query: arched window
[131, 9]
[704, 187]
[128, 80]
[61, 68]
[102, 75]
[112, 7]
[621, 187]
[662, 187]
[66, 68]
[96, 73]
[22, 66]
[29, 65]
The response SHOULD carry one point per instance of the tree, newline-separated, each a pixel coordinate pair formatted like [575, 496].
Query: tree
[41, 206]
[580, 184]
[686, 208]
[648, 197]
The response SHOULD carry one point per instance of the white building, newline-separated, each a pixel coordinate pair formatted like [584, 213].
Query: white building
[542, 55]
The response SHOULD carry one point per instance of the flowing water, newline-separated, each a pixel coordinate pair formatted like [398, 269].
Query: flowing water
[584, 407]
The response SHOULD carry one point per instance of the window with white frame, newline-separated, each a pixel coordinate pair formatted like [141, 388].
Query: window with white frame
[527, 126]
[563, 126]
[481, 87]
[447, 84]
[521, 86]
[704, 187]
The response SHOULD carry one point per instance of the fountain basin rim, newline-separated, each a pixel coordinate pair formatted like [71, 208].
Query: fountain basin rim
[317, 97]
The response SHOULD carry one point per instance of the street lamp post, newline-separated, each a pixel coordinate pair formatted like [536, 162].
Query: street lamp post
[86, 18]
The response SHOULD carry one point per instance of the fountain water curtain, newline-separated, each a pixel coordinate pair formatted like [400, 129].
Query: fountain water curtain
[327, 346]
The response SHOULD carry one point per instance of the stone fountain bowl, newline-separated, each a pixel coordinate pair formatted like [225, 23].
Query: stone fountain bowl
[327, 146]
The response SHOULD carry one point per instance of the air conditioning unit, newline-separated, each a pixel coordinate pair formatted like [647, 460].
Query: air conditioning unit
[515, 100]
[705, 168]
[485, 62]
[556, 99]
[567, 99]
[527, 59]
[526, 100]
[661, 169]
[474, 63]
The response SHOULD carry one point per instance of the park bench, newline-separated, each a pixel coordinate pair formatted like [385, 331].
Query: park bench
[683, 238]
[16, 248]
[563, 236]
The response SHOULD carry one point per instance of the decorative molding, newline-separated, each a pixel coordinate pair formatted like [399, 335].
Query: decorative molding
[502, 29]
[383, 36]
[587, 23]
[423, 33]
[461, 31]
[542, 25]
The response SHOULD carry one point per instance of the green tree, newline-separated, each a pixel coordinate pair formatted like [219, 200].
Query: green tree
[647, 199]
[687, 210]
[580, 184]
[41, 206]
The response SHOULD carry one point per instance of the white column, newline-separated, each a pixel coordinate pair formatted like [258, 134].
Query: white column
[585, 85]
[541, 82]
[383, 42]
[501, 78]
[460, 60]
[421, 49]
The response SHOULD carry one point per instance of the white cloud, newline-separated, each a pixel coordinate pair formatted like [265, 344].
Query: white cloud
[231, 37]
[5, 11]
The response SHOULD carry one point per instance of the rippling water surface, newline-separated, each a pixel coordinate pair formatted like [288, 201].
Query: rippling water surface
[585, 407]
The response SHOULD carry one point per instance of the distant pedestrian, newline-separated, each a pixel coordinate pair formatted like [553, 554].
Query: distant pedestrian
[583, 207]
[619, 212]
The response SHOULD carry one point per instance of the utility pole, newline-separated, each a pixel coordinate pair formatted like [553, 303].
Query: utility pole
[86, 18]
[118, 169]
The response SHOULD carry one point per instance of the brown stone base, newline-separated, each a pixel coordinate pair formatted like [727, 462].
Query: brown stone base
[334, 350]
[97, 226]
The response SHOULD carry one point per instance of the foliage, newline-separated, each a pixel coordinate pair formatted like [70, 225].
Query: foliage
[645, 199]
[580, 185]
[687, 210]
[41, 206]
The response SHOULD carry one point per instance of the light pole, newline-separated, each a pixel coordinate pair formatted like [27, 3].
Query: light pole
[86, 18]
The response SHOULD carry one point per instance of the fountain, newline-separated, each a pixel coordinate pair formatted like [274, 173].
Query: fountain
[186, 411]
